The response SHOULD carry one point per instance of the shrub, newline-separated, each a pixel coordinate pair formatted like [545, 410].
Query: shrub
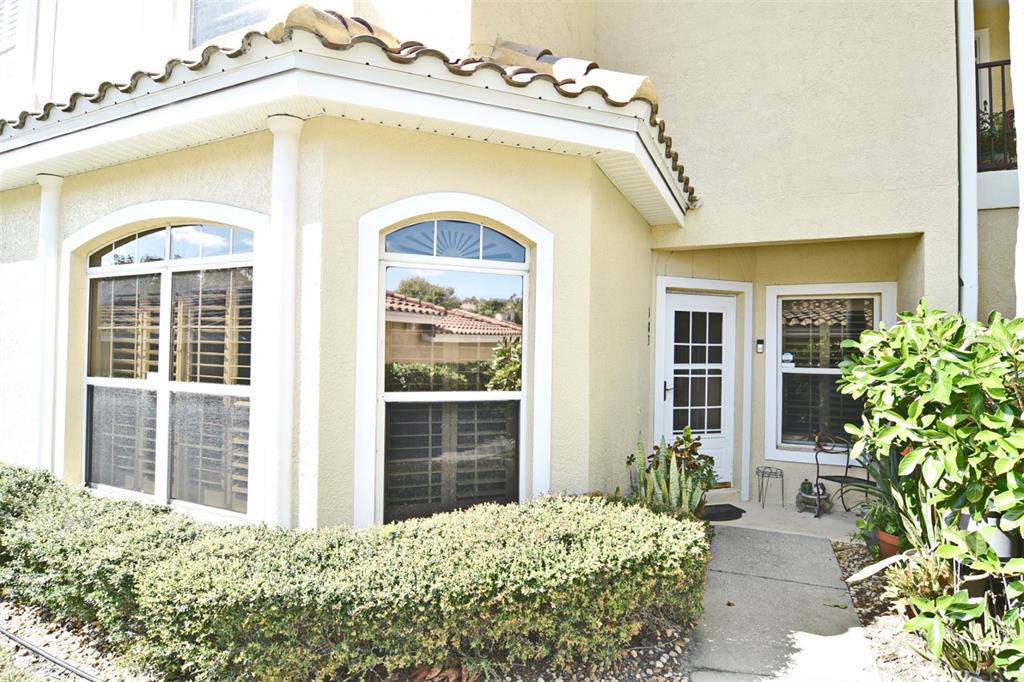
[561, 579]
[80, 556]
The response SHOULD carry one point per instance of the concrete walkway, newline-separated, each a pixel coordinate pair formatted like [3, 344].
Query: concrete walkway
[776, 608]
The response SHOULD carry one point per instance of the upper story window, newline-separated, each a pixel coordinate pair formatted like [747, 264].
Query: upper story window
[454, 317]
[214, 18]
[8, 24]
[169, 365]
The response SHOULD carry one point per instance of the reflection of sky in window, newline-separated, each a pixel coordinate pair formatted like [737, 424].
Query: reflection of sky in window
[466, 284]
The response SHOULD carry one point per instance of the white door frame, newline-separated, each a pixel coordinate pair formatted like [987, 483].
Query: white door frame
[665, 285]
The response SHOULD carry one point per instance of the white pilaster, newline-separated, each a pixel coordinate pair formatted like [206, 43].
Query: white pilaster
[968, 241]
[1017, 84]
[49, 272]
[274, 336]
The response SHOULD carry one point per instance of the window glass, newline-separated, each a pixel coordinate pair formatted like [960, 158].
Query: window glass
[501, 248]
[812, 403]
[211, 320]
[186, 241]
[216, 241]
[458, 239]
[123, 252]
[152, 244]
[214, 18]
[444, 456]
[452, 331]
[416, 239]
[209, 450]
[241, 241]
[124, 326]
[122, 438]
[814, 329]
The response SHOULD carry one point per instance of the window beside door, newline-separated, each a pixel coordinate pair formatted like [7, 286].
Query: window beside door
[803, 354]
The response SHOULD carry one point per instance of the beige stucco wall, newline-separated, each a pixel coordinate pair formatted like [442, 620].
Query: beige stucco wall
[795, 122]
[19, 325]
[620, 372]
[997, 238]
[880, 260]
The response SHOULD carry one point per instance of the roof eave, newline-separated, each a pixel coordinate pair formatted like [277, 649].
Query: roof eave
[233, 96]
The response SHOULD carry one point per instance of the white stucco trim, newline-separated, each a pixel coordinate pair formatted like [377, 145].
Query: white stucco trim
[309, 375]
[886, 291]
[48, 253]
[367, 489]
[665, 285]
[123, 221]
[998, 189]
[968, 134]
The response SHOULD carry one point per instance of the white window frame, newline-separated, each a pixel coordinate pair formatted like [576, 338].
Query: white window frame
[447, 264]
[159, 382]
[535, 405]
[774, 449]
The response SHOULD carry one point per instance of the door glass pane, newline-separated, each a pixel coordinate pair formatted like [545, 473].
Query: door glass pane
[211, 326]
[124, 326]
[811, 403]
[501, 248]
[209, 450]
[122, 438]
[697, 400]
[452, 331]
[458, 239]
[415, 239]
[715, 327]
[699, 331]
[444, 456]
[813, 329]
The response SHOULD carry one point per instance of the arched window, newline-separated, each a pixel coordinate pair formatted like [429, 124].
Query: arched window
[454, 310]
[170, 336]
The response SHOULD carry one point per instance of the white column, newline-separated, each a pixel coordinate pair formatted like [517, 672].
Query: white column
[274, 384]
[1017, 84]
[49, 274]
[968, 159]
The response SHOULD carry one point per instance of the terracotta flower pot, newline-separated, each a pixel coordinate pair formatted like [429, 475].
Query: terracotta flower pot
[888, 544]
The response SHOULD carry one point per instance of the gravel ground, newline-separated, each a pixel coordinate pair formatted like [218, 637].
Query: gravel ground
[895, 649]
[77, 646]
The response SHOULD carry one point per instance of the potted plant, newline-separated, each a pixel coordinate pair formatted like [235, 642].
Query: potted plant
[880, 526]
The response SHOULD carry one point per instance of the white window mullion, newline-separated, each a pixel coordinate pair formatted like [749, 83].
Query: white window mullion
[162, 486]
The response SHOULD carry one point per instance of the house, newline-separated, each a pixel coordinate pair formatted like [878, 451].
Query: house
[323, 275]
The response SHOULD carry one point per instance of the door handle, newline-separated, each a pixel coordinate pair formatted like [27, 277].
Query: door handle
[665, 390]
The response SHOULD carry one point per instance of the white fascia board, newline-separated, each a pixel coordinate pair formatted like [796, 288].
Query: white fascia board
[233, 96]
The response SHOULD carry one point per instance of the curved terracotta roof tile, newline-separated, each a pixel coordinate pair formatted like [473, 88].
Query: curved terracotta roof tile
[518, 65]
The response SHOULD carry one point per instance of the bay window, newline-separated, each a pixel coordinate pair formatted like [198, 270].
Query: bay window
[169, 361]
[451, 371]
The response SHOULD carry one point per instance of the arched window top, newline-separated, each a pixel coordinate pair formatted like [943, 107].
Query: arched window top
[173, 242]
[455, 239]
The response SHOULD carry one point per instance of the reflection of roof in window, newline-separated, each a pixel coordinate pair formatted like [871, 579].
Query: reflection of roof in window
[457, 321]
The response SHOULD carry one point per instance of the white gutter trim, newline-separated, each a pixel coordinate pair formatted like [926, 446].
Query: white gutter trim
[967, 96]
[49, 274]
[1017, 72]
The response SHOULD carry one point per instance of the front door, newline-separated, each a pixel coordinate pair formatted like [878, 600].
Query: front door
[697, 387]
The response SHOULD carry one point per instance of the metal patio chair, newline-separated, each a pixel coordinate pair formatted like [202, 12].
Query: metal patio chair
[835, 445]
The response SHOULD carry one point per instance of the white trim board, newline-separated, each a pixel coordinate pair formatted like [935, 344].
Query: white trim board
[998, 189]
[367, 477]
[663, 285]
[773, 451]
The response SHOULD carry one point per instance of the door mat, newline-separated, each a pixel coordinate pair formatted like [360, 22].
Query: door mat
[722, 512]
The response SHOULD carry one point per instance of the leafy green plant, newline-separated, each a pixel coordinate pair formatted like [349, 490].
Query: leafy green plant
[506, 366]
[944, 421]
[422, 376]
[560, 580]
[674, 477]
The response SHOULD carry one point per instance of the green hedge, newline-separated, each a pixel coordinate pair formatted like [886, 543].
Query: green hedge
[561, 579]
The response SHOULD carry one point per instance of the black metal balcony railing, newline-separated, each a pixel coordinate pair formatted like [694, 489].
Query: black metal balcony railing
[997, 133]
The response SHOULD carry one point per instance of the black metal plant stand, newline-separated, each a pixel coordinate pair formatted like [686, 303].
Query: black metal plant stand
[764, 479]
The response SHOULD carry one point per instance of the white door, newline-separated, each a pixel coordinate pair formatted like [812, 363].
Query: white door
[697, 387]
